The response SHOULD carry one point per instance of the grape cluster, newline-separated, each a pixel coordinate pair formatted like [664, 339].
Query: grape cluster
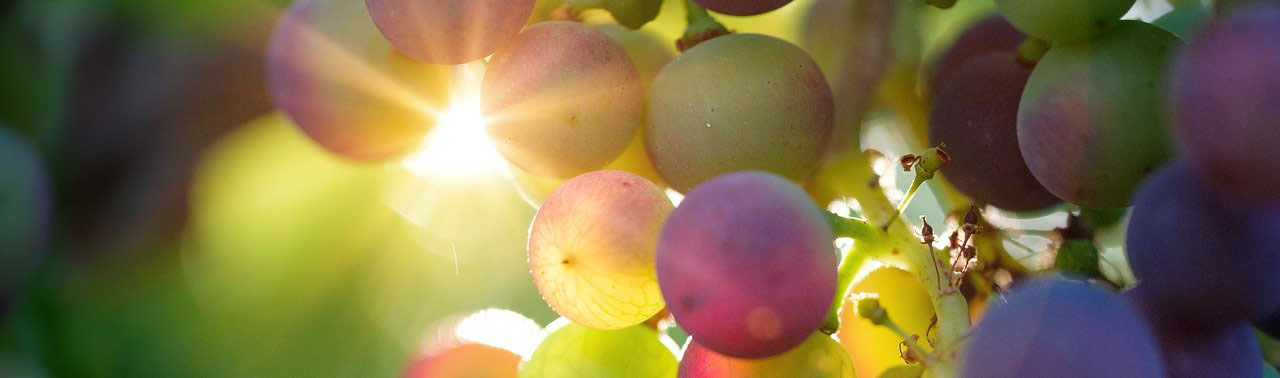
[688, 190]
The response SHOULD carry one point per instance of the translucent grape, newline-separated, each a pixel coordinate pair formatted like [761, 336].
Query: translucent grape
[561, 100]
[449, 31]
[975, 114]
[818, 357]
[579, 351]
[1051, 328]
[992, 34]
[742, 7]
[346, 87]
[467, 361]
[1224, 95]
[1201, 256]
[738, 102]
[1063, 20]
[746, 265]
[26, 210]
[467, 347]
[1090, 124]
[591, 249]
[872, 348]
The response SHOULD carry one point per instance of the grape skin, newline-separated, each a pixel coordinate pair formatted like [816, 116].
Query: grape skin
[818, 357]
[449, 31]
[314, 52]
[738, 102]
[1194, 250]
[872, 348]
[26, 212]
[561, 100]
[1231, 137]
[1063, 20]
[471, 360]
[1192, 348]
[1057, 328]
[591, 249]
[579, 351]
[1090, 124]
[992, 34]
[975, 114]
[742, 7]
[744, 222]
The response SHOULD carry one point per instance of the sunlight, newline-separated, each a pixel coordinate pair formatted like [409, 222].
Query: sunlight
[458, 148]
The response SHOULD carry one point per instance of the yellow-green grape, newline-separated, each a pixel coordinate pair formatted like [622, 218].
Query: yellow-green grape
[1063, 20]
[818, 357]
[648, 51]
[874, 348]
[591, 249]
[579, 351]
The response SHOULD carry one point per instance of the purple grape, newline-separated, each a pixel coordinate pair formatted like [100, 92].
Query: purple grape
[1051, 328]
[742, 7]
[346, 87]
[976, 114]
[1191, 348]
[746, 265]
[1224, 95]
[991, 34]
[449, 31]
[25, 213]
[1202, 257]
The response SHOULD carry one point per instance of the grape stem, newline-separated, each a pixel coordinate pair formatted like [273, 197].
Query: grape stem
[701, 27]
[870, 309]
[866, 239]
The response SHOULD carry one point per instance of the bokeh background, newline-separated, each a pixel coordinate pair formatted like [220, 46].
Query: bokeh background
[197, 233]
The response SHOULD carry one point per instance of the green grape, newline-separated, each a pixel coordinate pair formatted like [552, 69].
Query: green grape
[738, 102]
[579, 351]
[1090, 124]
[818, 357]
[1063, 20]
[872, 348]
[1185, 20]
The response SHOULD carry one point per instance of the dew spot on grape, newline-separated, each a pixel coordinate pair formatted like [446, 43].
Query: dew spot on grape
[763, 323]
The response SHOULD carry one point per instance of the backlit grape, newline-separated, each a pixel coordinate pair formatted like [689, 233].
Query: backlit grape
[873, 348]
[449, 31]
[747, 265]
[1063, 20]
[742, 7]
[738, 102]
[591, 249]
[579, 351]
[561, 100]
[975, 113]
[1057, 328]
[468, 347]
[1090, 124]
[1224, 95]
[817, 357]
[1202, 256]
[346, 87]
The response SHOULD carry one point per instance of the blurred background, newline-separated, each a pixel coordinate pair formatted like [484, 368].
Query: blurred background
[194, 232]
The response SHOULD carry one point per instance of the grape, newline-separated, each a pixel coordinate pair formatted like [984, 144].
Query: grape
[976, 114]
[738, 102]
[25, 213]
[1201, 256]
[1186, 20]
[1057, 328]
[1063, 20]
[579, 351]
[747, 265]
[467, 361]
[1194, 349]
[1231, 136]
[874, 348]
[1270, 325]
[742, 7]
[561, 100]
[1089, 122]
[467, 347]
[992, 34]
[449, 31]
[818, 357]
[646, 50]
[340, 81]
[591, 249]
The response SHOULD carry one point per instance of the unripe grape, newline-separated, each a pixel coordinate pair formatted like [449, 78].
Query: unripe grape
[872, 348]
[742, 7]
[818, 357]
[738, 102]
[746, 265]
[1063, 20]
[346, 87]
[449, 31]
[578, 351]
[1090, 124]
[591, 249]
[561, 100]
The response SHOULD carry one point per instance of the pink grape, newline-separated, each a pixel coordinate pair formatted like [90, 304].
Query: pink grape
[818, 357]
[747, 265]
[449, 31]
